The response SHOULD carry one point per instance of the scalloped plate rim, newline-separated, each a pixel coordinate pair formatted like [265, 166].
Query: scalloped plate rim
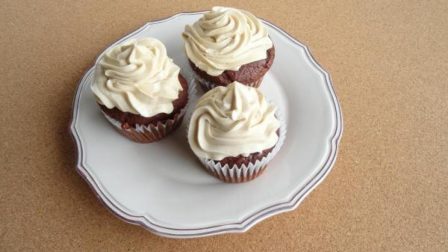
[254, 218]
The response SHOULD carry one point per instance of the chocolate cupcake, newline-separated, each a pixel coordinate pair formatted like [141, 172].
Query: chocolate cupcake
[140, 90]
[234, 132]
[227, 45]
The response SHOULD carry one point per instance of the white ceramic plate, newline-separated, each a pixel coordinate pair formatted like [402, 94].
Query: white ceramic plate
[162, 187]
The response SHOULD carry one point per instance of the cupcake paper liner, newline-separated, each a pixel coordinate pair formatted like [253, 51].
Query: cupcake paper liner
[244, 173]
[153, 132]
[207, 85]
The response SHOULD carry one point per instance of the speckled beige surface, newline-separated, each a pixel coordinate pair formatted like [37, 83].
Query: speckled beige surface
[387, 191]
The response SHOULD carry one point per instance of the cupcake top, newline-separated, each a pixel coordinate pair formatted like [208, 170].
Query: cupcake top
[225, 39]
[137, 77]
[231, 121]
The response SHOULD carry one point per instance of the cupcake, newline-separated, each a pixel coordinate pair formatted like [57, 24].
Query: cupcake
[227, 45]
[234, 132]
[140, 90]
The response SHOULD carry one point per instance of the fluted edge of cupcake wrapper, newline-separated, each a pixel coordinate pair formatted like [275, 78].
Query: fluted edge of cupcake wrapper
[153, 132]
[244, 173]
[207, 85]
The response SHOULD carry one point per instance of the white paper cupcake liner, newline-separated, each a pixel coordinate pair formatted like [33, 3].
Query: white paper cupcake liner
[207, 85]
[244, 173]
[153, 132]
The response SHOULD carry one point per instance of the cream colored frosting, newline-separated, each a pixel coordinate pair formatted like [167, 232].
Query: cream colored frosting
[137, 77]
[225, 39]
[231, 121]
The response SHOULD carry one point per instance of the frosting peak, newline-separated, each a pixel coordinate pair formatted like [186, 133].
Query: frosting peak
[137, 77]
[225, 39]
[232, 121]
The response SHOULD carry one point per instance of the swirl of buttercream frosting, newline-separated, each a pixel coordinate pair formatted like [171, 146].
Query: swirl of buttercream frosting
[225, 39]
[232, 121]
[137, 77]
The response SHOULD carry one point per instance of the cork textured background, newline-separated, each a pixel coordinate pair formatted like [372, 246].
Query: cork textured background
[389, 187]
